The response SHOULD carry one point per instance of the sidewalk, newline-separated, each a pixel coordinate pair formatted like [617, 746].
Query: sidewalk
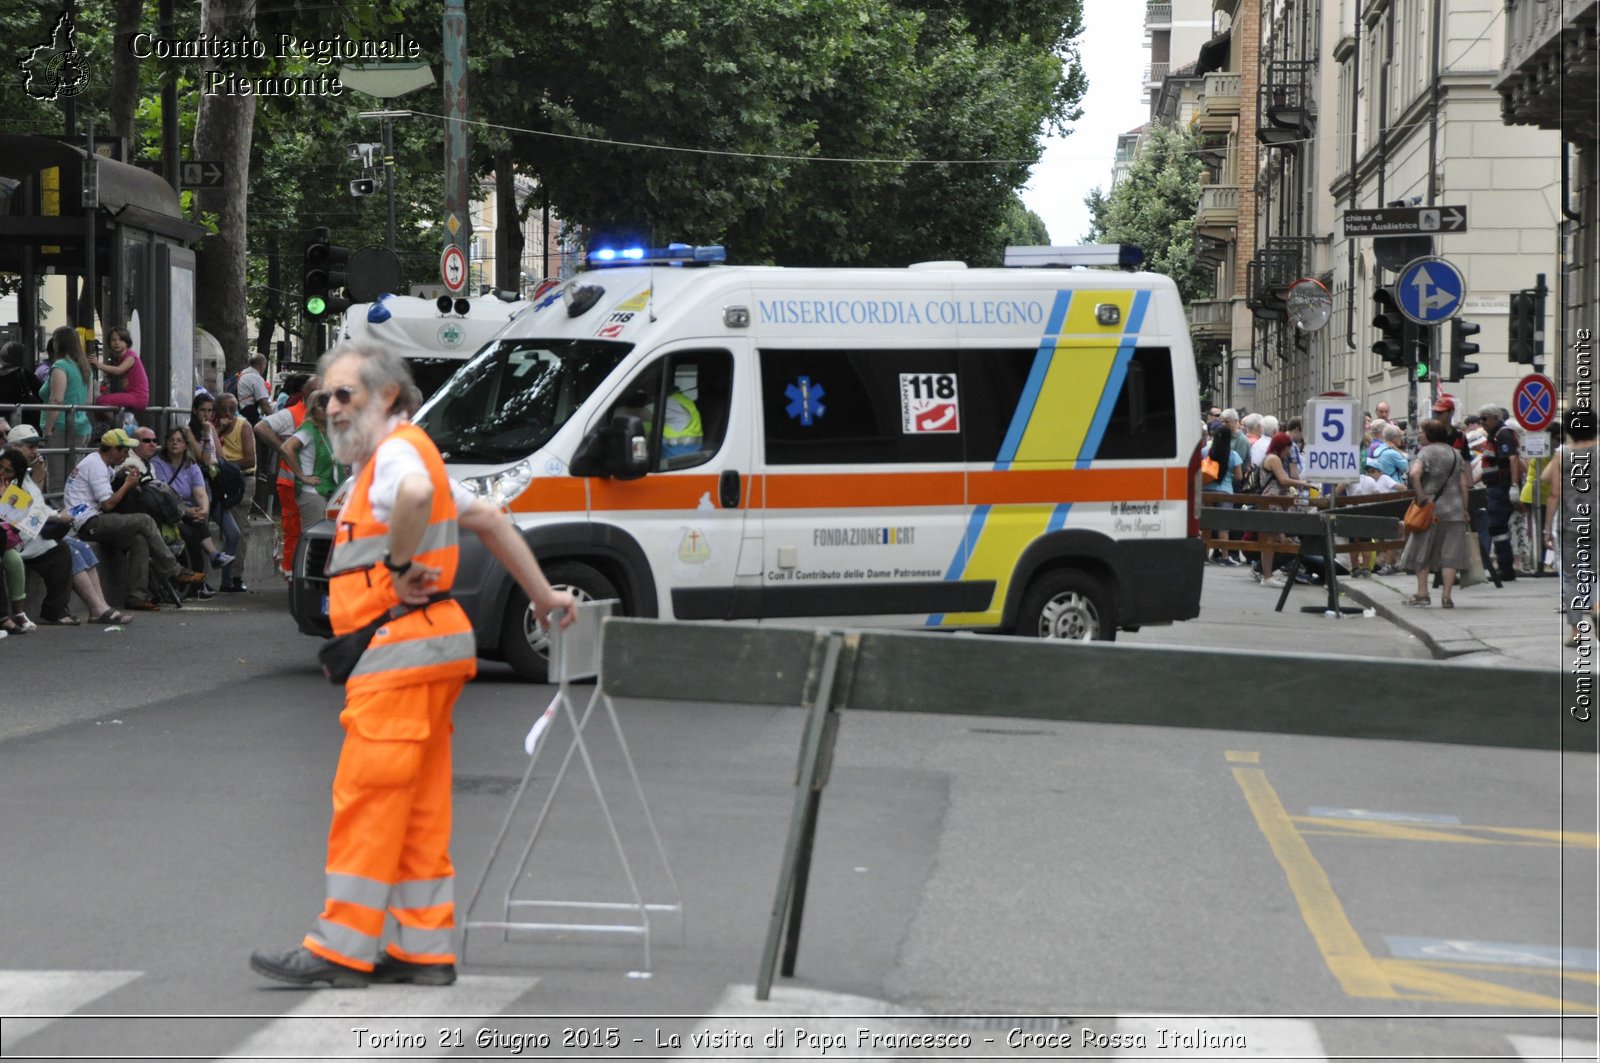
[1518, 624]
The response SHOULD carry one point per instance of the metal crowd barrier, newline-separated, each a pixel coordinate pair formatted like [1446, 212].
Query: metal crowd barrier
[102, 420]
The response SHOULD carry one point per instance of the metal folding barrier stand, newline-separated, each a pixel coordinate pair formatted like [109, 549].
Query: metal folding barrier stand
[574, 656]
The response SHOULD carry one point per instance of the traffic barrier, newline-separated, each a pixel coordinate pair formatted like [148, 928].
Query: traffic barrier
[826, 671]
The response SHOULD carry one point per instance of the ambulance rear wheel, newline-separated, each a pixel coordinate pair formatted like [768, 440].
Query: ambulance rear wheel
[1068, 604]
[525, 644]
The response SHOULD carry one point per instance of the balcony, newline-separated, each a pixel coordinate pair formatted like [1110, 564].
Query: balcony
[1219, 103]
[1218, 212]
[1269, 275]
[1210, 320]
[1155, 74]
[1285, 104]
[1158, 17]
[1546, 45]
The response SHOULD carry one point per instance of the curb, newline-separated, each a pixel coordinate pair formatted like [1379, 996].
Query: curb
[1399, 618]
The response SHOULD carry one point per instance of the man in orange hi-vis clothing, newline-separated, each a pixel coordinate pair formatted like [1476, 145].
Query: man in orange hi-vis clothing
[395, 554]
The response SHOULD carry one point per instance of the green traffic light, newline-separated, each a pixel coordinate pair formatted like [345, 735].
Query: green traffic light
[316, 306]
[1422, 371]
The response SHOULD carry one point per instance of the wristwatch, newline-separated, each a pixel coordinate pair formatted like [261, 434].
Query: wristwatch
[397, 570]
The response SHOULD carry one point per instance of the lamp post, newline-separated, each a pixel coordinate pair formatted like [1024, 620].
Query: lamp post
[387, 81]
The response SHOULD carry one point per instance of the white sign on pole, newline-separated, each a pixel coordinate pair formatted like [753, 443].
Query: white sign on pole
[1332, 450]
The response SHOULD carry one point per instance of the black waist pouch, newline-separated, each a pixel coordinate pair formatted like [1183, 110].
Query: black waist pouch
[340, 654]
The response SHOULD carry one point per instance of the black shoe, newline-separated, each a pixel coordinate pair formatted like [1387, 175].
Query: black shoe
[391, 969]
[236, 587]
[204, 593]
[301, 966]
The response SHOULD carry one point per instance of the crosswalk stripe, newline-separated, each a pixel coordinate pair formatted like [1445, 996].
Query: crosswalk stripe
[49, 993]
[1554, 1048]
[1225, 1038]
[344, 1011]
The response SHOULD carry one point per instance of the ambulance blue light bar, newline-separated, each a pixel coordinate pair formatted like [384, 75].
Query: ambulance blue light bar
[1124, 256]
[671, 255]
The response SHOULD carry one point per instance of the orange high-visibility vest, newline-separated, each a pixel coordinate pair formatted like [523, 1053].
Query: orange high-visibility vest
[285, 471]
[432, 643]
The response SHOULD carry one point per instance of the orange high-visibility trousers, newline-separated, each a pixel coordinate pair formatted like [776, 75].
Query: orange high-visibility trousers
[388, 847]
[289, 514]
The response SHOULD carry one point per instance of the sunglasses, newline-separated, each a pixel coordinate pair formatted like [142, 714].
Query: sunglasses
[344, 395]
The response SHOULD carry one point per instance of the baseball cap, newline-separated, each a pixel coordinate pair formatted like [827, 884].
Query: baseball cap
[118, 438]
[23, 433]
[1444, 404]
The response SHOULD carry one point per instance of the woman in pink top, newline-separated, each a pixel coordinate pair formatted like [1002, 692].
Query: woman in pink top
[134, 394]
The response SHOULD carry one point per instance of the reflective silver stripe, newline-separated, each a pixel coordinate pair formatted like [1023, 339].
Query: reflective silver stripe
[359, 553]
[417, 653]
[423, 942]
[346, 942]
[367, 892]
[364, 553]
[423, 893]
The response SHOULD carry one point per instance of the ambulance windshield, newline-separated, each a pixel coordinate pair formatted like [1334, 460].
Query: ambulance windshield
[514, 395]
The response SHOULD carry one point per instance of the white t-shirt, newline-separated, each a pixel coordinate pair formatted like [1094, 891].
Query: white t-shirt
[1374, 485]
[308, 450]
[88, 486]
[282, 423]
[252, 388]
[395, 460]
[1258, 449]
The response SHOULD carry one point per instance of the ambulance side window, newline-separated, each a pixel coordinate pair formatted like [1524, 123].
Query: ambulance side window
[1144, 420]
[695, 389]
[861, 407]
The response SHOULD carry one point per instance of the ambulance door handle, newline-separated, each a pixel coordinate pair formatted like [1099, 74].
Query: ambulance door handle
[728, 489]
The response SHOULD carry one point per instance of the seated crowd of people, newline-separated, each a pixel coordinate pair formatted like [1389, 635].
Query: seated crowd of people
[170, 504]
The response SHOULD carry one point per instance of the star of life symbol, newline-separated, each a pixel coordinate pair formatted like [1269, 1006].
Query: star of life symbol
[54, 70]
[805, 401]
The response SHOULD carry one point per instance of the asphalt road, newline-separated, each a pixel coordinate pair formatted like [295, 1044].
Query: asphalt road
[166, 799]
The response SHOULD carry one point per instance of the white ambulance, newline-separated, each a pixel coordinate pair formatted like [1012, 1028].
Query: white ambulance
[1004, 450]
[435, 336]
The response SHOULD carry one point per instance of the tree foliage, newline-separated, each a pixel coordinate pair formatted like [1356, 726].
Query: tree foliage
[1153, 206]
[779, 101]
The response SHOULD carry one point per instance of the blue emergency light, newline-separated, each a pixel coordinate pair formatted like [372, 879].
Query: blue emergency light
[671, 255]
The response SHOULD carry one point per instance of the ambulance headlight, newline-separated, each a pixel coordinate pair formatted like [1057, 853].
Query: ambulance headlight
[502, 487]
[580, 297]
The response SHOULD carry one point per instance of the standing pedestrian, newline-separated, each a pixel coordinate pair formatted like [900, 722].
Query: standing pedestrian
[1438, 473]
[1502, 469]
[396, 556]
[1569, 510]
[66, 385]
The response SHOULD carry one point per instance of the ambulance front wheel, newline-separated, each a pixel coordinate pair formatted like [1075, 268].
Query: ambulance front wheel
[525, 644]
[1068, 604]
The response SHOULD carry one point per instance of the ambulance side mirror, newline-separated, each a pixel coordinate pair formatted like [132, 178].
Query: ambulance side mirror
[619, 450]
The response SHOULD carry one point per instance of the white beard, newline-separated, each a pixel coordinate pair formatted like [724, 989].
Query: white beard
[355, 443]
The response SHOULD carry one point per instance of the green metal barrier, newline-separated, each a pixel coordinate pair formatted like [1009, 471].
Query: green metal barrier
[827, 671]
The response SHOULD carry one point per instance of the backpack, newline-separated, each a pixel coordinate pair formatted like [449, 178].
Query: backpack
[153, 498]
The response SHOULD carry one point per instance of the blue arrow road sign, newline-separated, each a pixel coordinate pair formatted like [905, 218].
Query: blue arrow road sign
[1431, 291]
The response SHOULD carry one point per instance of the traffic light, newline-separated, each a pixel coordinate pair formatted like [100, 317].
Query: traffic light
[1461, 348]
[1392, 326]
[326, 266]
[1525, 340]
[1419, 350]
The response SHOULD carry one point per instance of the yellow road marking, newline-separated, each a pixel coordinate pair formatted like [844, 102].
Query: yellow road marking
[1358, 972]
[1430, 984]
[1324, 916]
[1588, 977]
[1452, 832]
[1236, 756]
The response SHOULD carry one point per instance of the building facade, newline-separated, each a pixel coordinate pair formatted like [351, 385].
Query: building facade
[1312, 108]
[1550, 79]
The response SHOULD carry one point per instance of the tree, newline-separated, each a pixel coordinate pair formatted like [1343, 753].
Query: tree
[222, 132]
[772, 95]
[1153, 207]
